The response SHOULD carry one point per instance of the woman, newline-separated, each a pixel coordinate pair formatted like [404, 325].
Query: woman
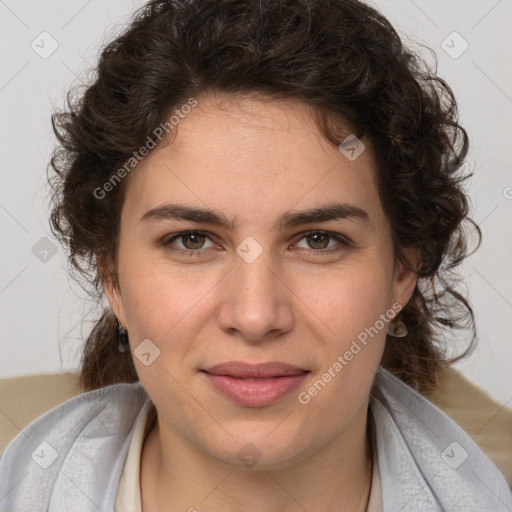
[269, 196]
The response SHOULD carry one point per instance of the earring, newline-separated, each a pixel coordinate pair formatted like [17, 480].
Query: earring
[397, 330]
[122, 337]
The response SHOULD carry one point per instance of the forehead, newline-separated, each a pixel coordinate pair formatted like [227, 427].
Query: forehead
[251, 157]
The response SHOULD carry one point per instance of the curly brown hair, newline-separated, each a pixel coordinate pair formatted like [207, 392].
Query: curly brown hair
[340, 57]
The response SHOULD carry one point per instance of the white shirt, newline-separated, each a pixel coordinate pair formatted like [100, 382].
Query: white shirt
[128, 492]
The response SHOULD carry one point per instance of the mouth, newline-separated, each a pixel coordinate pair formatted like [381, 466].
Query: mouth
[241, 370]
[255, 385]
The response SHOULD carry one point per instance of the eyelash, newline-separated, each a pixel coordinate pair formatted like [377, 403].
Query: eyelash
[166, 242]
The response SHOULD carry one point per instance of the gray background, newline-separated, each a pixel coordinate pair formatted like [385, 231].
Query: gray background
[41, 308]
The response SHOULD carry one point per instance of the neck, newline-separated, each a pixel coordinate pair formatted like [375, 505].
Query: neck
[176, 476]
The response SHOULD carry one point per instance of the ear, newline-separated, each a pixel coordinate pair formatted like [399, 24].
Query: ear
[405, 279]
[113, 294]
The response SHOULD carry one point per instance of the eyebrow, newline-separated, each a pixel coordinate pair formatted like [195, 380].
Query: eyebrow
[292, 218]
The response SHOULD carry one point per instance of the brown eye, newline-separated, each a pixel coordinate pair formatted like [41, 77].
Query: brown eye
[319, 241]
[196, 240]
[191, 241]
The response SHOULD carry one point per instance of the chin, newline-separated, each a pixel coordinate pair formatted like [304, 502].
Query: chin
[259, 450]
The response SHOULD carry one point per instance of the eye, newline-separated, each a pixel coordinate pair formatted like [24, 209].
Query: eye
[319, 241]
[192, 242]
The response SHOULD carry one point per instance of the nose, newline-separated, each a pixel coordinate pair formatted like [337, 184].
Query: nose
[256, 303]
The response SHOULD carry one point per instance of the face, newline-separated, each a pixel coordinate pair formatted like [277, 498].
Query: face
[265, 285]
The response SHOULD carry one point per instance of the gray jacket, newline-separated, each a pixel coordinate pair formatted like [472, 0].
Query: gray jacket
[71, 458]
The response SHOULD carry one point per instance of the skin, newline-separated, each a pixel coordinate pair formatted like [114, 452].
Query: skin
[297, 302]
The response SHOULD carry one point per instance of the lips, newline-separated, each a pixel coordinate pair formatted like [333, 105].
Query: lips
[241, 370]
[255, 385]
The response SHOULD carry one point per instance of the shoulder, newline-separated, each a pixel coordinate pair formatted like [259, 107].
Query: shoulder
[425, 458]
[83, 440]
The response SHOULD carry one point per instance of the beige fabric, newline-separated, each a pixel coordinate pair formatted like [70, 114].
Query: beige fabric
[483, 419]
[23, 399]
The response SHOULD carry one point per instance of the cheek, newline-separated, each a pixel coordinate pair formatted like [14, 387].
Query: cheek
[167, 304]
[346, 301]
[352, 307]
